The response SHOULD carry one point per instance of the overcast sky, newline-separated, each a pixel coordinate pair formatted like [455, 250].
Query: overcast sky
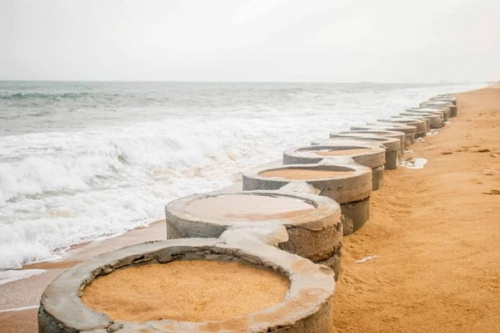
[249, 40]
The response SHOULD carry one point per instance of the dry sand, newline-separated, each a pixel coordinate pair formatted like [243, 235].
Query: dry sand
[436, 232]
[303, 174]
[196, 290]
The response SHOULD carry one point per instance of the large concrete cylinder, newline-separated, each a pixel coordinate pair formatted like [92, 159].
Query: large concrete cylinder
[379, 132]
[420, 125]
[435, 120]
[312, 222]
[348, 184]
[392, 145]
[305, 307]
[369, 155]
[409, 131]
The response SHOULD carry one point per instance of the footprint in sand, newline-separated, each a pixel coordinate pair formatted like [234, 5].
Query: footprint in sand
[492, 192]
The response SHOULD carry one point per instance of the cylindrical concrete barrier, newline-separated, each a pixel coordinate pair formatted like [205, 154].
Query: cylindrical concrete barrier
[382, 133]
[445, 98]
[420, 125]
[435, 120]
[369, 155]
[426, 121]
[425, 111]
[348, 184]
[301, 301]
[392, 145]
[445, 112]
[312, 222]
[453, 107]
[410, 131]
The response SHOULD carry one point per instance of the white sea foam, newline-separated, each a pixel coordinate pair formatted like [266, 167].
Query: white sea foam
[13, 275]
[67, 177]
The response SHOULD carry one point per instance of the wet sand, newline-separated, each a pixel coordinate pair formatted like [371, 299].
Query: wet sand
[196, 291]
[436, 232]
[303, 174]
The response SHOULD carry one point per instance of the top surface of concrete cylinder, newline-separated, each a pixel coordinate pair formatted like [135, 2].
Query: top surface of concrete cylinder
[437, 103]
[427, 111]
[250, 207]
[390, 143]
[370, 155]
[310, 292]
[342, 182]
[421, 125]
[435, 120]
[444, 111]
[311, 222]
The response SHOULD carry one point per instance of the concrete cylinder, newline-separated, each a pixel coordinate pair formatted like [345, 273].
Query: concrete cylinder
[306, 307]
[408, 130]
[312, 222]
[421, 125]
[369, 155]
[444, 98]
[425, 111]
[435, 120]
[430, 104]
[420, 118]
[444, 112]
[392, 145]
[382, 133]
[348, 184]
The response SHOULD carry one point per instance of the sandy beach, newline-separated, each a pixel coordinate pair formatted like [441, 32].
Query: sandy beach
[434, 232]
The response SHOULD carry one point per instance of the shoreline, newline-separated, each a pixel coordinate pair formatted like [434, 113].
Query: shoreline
[359, 282]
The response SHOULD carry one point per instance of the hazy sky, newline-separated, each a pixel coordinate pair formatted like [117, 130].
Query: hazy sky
[247, 40]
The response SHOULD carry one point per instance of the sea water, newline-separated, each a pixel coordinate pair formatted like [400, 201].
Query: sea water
[83, 160]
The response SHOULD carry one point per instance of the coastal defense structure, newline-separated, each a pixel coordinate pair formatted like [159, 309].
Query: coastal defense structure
[349, 184]
[392, 146]
[376, 133]
[310, 224]
[68, 304]
[371, 155]
[264, 259]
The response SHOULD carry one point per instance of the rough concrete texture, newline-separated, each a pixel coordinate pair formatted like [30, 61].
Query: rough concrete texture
[420, 125]
[445, 98]
[392, 145]
[435, 120]
[418, 118]
[306, 307]
[315, 234]
[375, 157]
[351, 187]
[427, 111]
[409, 131]
[352, 191]
[444, 111]
[382, 133]
[354, 215]
[430, 104]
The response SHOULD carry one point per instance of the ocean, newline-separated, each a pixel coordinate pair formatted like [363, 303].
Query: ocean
[86, 160]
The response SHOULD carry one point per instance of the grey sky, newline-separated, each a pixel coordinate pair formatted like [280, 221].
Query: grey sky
[264, 40]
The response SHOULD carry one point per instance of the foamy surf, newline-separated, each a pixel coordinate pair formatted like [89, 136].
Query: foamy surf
[13, 275]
